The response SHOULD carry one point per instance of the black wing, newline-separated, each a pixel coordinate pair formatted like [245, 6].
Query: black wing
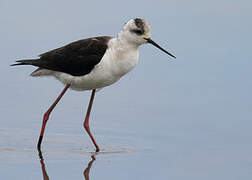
[77, 58]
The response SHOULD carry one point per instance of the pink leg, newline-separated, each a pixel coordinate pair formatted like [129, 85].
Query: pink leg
[86, 122]
[47, 114]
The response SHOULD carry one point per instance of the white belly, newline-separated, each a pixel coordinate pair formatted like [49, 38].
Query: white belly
[110, 69]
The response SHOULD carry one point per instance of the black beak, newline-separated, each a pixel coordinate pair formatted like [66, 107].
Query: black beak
[149, 40]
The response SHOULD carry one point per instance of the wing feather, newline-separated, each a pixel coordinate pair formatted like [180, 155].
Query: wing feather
[77, 58]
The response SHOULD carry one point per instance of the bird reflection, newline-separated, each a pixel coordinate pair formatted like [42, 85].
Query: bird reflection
[85, 173]
[45, 176]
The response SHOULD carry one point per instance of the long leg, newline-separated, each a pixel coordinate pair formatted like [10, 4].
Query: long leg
[86, 122]
[47, 114]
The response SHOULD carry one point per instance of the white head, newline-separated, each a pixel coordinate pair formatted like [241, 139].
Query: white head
[137, 32]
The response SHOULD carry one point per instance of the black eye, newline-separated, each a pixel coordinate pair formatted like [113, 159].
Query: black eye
[137, 31]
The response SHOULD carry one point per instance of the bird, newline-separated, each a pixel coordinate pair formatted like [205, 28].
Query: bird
[92, 64]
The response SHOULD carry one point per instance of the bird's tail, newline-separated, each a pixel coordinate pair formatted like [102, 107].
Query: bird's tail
[33, 62]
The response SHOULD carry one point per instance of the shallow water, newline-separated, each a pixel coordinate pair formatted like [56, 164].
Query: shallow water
[64, 158]
[123, 156]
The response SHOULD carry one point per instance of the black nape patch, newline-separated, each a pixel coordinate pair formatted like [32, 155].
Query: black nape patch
[140, 24]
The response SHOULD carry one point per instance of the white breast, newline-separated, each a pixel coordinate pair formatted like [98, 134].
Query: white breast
[116, 62]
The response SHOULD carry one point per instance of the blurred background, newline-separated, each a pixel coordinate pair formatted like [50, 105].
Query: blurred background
[185, 118]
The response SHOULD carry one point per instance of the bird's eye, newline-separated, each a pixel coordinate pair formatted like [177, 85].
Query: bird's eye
[137, 31]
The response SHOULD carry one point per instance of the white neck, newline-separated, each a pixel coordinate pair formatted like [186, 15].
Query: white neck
[125, 41]
[123, 55]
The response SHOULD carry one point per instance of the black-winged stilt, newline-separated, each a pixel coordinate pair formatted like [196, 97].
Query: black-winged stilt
[92, 63]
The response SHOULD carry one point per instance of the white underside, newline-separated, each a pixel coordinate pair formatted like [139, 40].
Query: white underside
[116, 62]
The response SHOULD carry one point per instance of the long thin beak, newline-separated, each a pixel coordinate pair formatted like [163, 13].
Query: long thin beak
[149, 40]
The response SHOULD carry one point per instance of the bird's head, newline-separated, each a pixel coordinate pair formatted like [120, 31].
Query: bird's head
[137, 31]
